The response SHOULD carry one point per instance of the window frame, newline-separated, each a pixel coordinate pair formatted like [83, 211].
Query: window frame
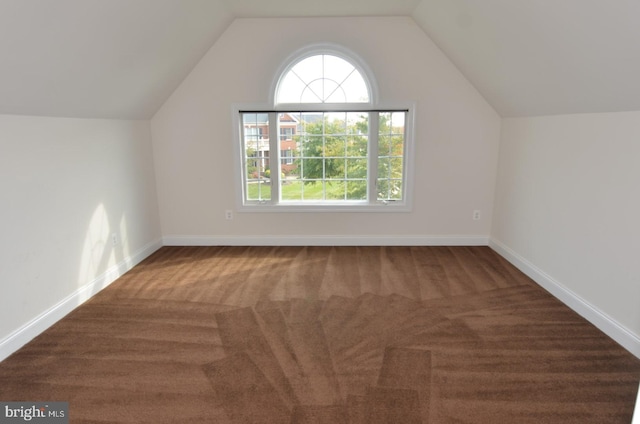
[373, 106]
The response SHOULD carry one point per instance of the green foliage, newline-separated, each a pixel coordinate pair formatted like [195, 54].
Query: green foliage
[252, 167]
[293, 190]
[390, 158]
[332, 151]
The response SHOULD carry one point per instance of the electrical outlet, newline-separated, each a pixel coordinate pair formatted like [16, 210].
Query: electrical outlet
[114, 239]
[228, 214]
[476, 215]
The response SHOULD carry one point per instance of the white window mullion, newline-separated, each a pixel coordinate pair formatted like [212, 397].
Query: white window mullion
[372, 162]
[243, 158]
[274, 157]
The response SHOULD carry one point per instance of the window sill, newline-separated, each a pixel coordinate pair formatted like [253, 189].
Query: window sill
[358, 207]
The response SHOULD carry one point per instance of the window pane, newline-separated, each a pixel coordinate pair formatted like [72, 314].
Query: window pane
[389, 189]
[290, 88]
[394, 190]
[313, 92]
[391, 140]
[383, 189]
[309, 69]
[291, 190]
[334, 168]
[336, 93]
[335, 146]
[313, 190]
[256, 155]
[384, 168]
[356, 190]
[335, 190]
[358, 123]
[312, 146]
[312, 169]
[395, 167]
[258, 190]
[288, 127]
[356, 168]
[336, 69]
[357, 146]
[397, 145]
[356, 90]
[384, 145]
[330, 150]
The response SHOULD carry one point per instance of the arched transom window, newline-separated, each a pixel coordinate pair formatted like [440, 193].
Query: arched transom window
[323, 78]
[326, 144]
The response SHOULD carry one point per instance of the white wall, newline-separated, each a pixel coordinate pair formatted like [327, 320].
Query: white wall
[67, 185]
[455, 154]
[567, 208]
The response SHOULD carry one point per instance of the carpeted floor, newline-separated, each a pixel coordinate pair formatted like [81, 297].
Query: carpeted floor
[326, 335]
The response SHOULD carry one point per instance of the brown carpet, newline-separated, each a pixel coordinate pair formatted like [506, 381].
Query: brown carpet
[360, 335]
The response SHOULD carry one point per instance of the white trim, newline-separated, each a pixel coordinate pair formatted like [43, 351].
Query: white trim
[325, 207]
[591, 313]
[319, 240]
[636, 413]
[37, 325]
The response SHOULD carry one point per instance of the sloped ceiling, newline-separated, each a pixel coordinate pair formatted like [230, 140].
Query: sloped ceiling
[123, 58]
[101, 58]
[542, 57]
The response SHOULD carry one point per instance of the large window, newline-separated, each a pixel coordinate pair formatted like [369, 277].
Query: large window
[336, 149]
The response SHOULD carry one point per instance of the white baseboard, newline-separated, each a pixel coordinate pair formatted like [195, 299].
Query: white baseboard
[591, 313]
[30, 330]
[636, 412]
[318, 240]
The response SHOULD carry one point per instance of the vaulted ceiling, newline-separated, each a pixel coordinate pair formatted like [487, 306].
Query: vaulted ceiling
[123, 58]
